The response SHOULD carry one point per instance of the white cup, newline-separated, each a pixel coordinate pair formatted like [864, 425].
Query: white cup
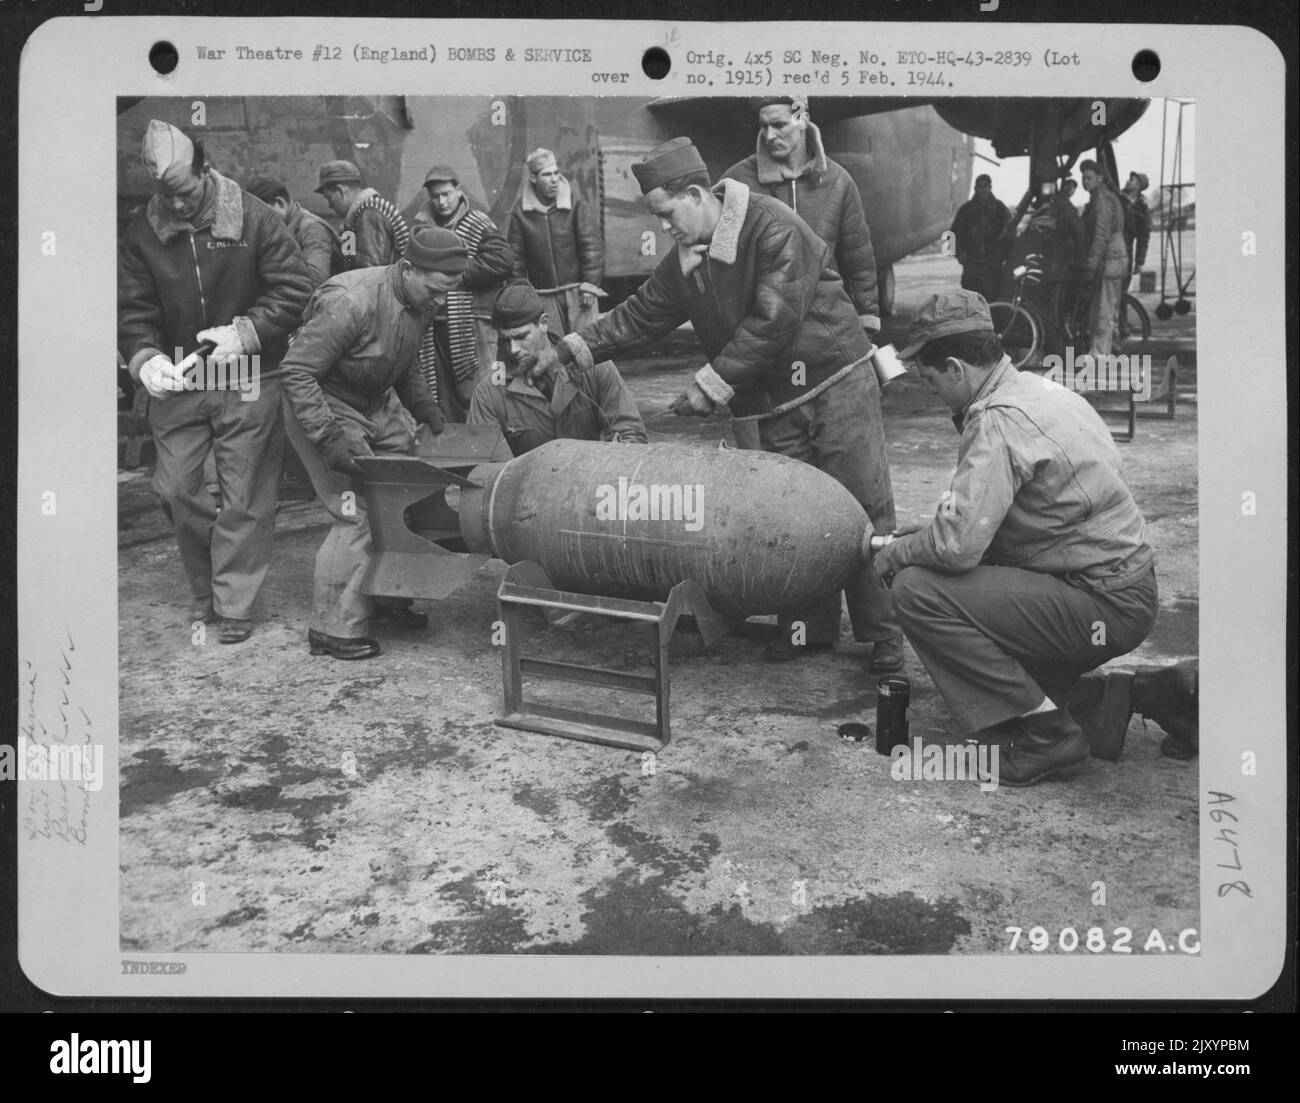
[887, 364]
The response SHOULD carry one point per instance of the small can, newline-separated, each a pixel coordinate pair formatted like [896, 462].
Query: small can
[892, 697]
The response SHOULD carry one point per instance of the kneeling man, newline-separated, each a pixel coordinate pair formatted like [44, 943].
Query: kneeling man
[1036, 568]
[589, 403]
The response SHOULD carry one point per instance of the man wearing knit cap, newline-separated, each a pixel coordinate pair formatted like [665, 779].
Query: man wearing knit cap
[205, 262]
[786, 348]
[790, 164]
[590, 402]
[348, 371]
[557, 243]
[460, 345]
[374, 231]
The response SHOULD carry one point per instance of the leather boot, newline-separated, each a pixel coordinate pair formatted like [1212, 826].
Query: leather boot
[340, 647]
[1102, 705]
[1047, 744]
[1168, 695]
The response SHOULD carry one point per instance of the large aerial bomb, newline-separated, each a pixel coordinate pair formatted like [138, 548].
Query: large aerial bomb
[759, 532]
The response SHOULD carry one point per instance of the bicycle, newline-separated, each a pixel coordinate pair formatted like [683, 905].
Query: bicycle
[1023, 327]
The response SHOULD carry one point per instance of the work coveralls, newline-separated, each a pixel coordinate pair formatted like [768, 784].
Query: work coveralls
[344, 373]
[1036, 568]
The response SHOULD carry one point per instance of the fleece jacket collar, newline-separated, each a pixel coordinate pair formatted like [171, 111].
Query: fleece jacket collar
[725, 246]
[227, 214]
[563, 198]
[771, 171]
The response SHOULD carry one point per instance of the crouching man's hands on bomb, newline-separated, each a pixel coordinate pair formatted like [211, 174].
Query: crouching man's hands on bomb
[884, 559]
[158, 376]
[341, 454]
[693, 402]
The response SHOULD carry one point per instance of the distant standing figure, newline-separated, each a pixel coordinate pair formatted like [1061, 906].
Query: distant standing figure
[1137, 220]
[314, 236]
[555, 235]
[1105, 265]
[978, 229]
[378, 230]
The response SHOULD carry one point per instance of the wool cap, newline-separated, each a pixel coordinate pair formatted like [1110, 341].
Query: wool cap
[667, 162]
[167, 154]
[441, 174]
[338, 172]
[955, 311]
[436, 250]
[517, 304]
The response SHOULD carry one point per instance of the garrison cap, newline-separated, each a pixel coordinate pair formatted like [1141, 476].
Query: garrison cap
[167, 153]
[338, 172]
[666, 163]
[948, 312]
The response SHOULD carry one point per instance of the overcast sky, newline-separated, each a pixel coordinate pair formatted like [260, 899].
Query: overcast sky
[1136, 150]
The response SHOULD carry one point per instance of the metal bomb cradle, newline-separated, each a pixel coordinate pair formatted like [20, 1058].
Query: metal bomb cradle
[719, 534]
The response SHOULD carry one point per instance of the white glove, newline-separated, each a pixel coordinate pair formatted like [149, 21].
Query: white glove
[226, 338]
[160, 377]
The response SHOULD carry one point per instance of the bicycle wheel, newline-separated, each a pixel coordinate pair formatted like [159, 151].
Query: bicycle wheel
[1022, 336]
[1134, 326]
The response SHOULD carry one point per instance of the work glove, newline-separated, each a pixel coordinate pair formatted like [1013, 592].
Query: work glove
[339, 455]
[693, 402]
[160, 377]
[434, 421]
[586, 300]
[228, 344]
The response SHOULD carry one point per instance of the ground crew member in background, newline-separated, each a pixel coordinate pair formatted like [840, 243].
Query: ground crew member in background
[1105, 263]
[1137, 220]
[784, 343]
[978, 229]
[558, 248]
[790, 164]
[374, 231]
[1035, 569]
[591, 402]
[460, 344]
[314, 236]
[346, 369]
[204, 261]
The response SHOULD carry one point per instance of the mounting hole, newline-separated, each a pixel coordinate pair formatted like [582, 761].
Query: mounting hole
[163, 57]
[655, 63]
[1146, 65]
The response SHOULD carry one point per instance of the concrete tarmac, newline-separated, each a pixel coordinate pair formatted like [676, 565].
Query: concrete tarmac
[374, 806]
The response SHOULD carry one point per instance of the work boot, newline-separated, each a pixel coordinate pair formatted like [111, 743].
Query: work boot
[1168, 695]
[887, 656]
[1101, 704]
[1047, 744]
[341, 647]
[234, 630]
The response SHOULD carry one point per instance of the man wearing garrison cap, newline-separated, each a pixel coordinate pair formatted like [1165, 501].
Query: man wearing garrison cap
[786, 348]
[589, 403]
[205, 262]
[346, 369]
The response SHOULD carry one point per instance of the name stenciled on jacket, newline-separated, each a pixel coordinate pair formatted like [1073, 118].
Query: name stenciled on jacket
[207, 373]
[1100, 372]
[919, 761]
[629, 501]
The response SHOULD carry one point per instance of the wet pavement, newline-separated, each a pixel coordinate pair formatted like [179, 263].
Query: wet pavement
[375, 807]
